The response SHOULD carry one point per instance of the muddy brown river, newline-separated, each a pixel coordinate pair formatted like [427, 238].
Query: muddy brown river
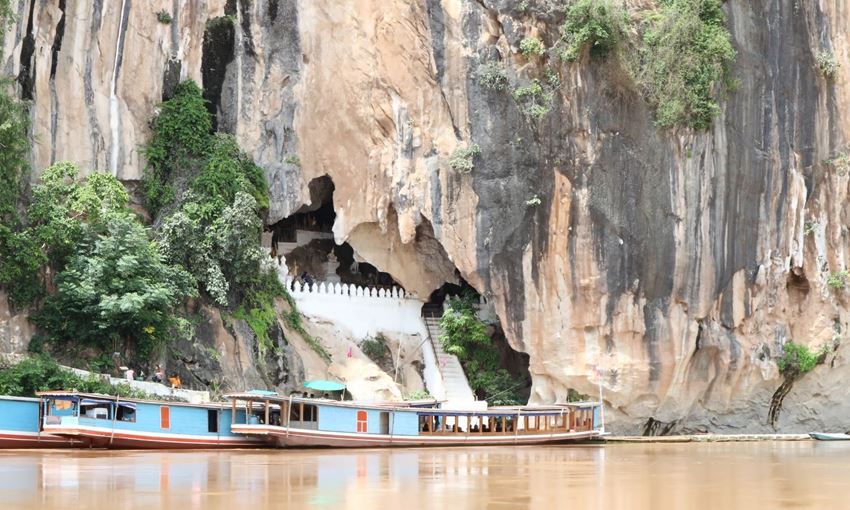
[721, 476]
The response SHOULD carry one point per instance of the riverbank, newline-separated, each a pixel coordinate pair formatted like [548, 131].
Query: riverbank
[708, 438]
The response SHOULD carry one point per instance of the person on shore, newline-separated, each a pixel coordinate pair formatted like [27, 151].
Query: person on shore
[159, 375]
[175, 381]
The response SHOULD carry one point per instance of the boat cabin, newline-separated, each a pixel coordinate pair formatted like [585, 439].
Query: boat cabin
[297, 421]
[20, 425]
[106, 420]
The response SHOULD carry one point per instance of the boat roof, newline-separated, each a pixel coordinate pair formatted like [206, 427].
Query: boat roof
[24, 399]
[69, 395]
[533, 409]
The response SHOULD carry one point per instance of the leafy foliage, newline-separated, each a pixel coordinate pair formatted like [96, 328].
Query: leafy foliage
[117, 288]
[42, 373]
[164, 17]
[257, 309]
[14, 148]
[685, 59]
[19, 253]
[533, 100]
[466, 337]
[418, 395]
[463, 158]
[532, 47]
[64, 212]
[798, 359]
[493, 75]
[838, 279]
[533, 201]
[214, 226]
[840, 162]
[597, 24]
[374, 348]
[827, 64]
[181, 136]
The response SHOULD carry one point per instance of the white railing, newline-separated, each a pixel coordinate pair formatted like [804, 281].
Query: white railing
[343, 289]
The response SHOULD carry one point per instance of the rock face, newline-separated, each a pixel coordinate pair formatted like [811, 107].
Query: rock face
[679, 262]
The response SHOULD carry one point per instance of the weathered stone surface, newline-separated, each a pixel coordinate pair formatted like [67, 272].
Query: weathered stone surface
[677, 261]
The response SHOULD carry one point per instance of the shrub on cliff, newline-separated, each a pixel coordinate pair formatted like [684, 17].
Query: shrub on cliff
[463, 158]
[532, 47]
[827, 64]
[492, 75]
[797, 359]
[684, 62]
[594, 24]
[181, 137]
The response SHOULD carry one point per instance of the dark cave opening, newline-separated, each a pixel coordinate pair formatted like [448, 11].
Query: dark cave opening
[306, 241]
[516, 363]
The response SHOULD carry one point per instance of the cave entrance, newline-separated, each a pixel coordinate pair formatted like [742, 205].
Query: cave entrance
[504, 357]
[305, 241]
[439, 298]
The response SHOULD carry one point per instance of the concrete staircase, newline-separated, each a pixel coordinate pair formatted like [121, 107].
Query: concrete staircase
[454, 378]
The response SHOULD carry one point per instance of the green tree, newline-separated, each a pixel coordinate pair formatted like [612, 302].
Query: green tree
[64, 211]
[181, 139]
[466, 337]
[120, 290]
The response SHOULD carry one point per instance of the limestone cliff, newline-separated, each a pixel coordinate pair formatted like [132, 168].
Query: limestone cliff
[678, 261]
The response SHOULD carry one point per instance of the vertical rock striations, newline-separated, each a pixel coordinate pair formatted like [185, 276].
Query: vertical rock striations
[678, 261]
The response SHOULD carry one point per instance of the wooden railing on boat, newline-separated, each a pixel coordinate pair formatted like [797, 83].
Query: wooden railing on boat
[569, 420]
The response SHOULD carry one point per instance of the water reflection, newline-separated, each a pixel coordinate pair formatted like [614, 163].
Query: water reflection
[727, 476]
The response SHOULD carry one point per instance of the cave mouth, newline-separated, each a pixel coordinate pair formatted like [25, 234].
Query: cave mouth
[798, 287]
[516, 363]
[440, 297]
[305, 242]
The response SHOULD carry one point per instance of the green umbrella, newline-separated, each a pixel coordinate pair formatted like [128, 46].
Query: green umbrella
[324, 385]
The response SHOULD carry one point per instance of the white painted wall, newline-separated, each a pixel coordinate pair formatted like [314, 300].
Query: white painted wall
[362, 310]
[366, 312]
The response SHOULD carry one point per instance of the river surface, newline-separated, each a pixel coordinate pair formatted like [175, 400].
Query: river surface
[722, 476]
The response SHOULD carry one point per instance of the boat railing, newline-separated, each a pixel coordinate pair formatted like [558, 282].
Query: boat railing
[570, 420]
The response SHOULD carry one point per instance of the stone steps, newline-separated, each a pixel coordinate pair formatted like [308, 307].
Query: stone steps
[454, 378]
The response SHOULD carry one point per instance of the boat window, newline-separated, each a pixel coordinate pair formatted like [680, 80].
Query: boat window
[165, 417]
[303, 412]
[96, 411]
[362, 422]
[212, 420]
[311, 413]
[125, 413]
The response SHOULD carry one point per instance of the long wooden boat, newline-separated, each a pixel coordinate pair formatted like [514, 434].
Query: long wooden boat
[826, 436]
[103, 421]
[294, 421]
[20, 426]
